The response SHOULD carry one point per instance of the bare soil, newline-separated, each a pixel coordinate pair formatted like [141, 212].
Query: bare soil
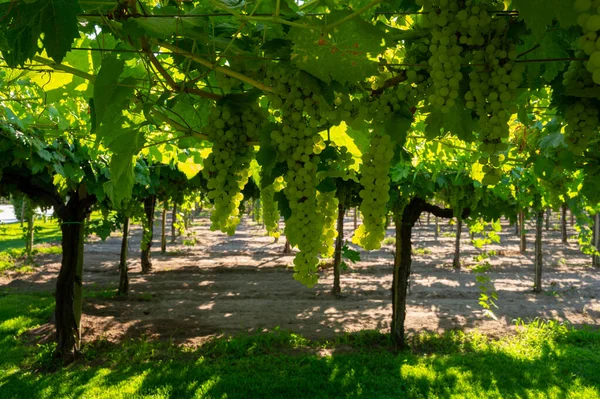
[226, 285]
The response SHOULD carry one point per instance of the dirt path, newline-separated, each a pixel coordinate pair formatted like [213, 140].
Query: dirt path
[242, 283]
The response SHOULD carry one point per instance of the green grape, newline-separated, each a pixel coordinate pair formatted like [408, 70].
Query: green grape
[227, 168]
[327, 205]
[445, 61]
[582, 120]
[375, 192]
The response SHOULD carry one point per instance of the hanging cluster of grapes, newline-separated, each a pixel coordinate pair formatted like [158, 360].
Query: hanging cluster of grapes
[445, 60]
[582, 114]
[299, 143]
[375, 193]
[227, 168]
[327, 204]
[270, 210]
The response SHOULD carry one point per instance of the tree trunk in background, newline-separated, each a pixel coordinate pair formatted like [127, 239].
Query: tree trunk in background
[456, 260]
[123, 275]
[339, 243]
[517, 230]
[149, 206]
[173, 221]
[287, 248]
[572, 218]
[548, 212]
[30, 232]
[596, 239]
[163, 225]
[69, 282]
[23, 210]
[563, 222]
[355, 219]
[522, 232]
[436, 233]
[537, 286]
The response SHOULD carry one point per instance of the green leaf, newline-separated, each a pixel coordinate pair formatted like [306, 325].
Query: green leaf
[350, 254]
[537, 14]
[327, 185]
[60, 27]
[125, 146]
[283, 205]
[458, 122]
[346, 54]
[397, 125]
[106, 84]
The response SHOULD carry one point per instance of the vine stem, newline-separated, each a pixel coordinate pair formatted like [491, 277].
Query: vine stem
[218, 68]
[65, 68]
[169, 79]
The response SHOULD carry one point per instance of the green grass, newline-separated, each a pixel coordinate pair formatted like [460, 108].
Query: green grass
[545, 360]
[11, 235]
[12, 244]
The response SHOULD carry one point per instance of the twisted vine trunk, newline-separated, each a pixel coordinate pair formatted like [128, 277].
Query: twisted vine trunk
[337, 258]
[596, 238]
[163, 231]
[30, 232]
[149, 206]
[123, 274]
[537, 285]
[548, 212]
[69, 282]
[563, 222]
[456, 260]
[173, 221]
[402, 262]
[522, 231]
[287, 248]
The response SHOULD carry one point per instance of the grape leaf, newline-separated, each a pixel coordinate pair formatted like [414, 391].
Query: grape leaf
[59, 26]
[106, 84]
[345, 54]
[553, 44]
[125, 146]
[537, 14]
[458, 122]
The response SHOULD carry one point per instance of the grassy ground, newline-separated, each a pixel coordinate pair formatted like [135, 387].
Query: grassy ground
[542, 361]
[12, 244]
[11, 235]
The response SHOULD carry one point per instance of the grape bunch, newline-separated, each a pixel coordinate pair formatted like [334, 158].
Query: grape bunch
[582, 124]
[493, 85]
[227, 168]
[269, 207]
[445, 61]
[589, 42]
[299, 143]
[327, 205]
[375, 192]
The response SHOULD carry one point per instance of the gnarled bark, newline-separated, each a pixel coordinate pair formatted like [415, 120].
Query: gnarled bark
[537, 286]
[337, 258]
[123, 272]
